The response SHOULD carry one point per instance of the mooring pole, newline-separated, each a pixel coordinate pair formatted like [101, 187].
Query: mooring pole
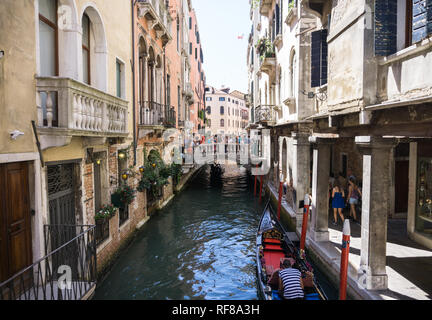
[280, 199]
[255, 184]
[261, 187]
[344, 259]
[305, 222]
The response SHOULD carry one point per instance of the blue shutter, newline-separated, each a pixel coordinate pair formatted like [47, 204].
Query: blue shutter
[315, 59]
[386, 27]
[429, 16]
[419, 27]
[324, 53]
[319, 58]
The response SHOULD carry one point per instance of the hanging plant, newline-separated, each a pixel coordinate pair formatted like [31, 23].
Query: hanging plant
[154, 174]
[123, 196]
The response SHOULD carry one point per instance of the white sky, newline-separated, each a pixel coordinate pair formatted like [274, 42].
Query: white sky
[220, 22]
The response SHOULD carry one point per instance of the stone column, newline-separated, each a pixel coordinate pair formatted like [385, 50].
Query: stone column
[375, 209]
[320, 182]
[146, 80]
[301, 170]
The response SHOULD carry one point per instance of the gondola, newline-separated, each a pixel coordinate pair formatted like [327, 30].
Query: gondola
[273, 244]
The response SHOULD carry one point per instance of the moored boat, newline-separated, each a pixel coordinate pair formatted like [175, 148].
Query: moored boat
[273, 246]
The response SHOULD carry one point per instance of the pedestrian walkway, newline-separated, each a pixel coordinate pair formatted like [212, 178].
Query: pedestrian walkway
[408, 264]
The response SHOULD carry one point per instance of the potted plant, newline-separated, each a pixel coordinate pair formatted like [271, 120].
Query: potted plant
[106, 212]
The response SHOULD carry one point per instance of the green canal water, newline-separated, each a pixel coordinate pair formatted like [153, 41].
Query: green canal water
[201, 246]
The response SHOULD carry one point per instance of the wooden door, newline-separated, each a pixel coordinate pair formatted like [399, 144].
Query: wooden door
[15, 224]
[401, 186]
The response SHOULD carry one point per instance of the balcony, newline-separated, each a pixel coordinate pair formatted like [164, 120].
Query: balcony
[155, 115]
[157, 13]
[265, 114]
[70, 247]
[266, 50]
[67, 108]
[402, 77]
[265, 7]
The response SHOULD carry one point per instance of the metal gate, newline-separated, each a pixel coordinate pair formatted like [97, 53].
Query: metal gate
[61, 198]
[61, 195]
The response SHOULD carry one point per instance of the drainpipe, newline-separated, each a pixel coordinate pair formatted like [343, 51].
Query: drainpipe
[133, 82]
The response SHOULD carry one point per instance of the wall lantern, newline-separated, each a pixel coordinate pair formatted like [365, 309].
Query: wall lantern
[121, 155]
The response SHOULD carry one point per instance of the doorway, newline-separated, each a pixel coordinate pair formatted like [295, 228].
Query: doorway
[15, 222]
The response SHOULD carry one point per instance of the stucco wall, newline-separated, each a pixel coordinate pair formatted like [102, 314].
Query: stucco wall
[17, 70]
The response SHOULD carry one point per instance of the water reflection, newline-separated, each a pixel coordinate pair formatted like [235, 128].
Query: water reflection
[199, 247]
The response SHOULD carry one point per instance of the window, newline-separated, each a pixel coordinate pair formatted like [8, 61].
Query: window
[208, 110]
[222, 110]
[190, 23]
[221, 99]
[319, 58]
[190, 48]
[168, 90]
[86, 48]
[48, 37]
[178, 35]
[208, 98]
[196, 53]
[119, 78]
[178, 103]
[222, 123]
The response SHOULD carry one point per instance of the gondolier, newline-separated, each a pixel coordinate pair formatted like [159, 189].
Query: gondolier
[290, 282]
[277, 249]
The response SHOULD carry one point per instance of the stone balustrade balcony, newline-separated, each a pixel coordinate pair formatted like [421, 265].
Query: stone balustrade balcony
[67, 108]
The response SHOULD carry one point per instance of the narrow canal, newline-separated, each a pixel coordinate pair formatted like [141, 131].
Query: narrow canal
[201, 246]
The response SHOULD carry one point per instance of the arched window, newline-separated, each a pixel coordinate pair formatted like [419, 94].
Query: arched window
[94, 49]
[142, 70]
[294, 75]
[222, 123]
[86, 48]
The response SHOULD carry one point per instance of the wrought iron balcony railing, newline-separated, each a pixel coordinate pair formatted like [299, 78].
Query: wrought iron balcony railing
[156, 114]
[66, 272]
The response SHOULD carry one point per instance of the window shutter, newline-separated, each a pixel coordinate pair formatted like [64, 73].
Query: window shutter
[429, 16]
[324, 52]
[319, 58]
[419, 26]
[385, 27]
